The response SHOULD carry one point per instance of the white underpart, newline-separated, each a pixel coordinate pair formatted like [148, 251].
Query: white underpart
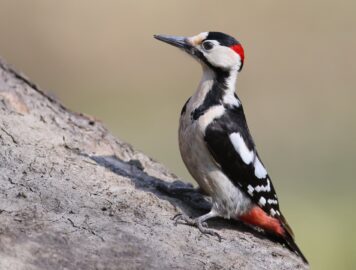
[228, 200]
[240, 146]
[266, 188]
[260, 171]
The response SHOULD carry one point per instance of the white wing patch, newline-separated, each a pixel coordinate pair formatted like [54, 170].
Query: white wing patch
[271, 201]
[246, 155]
[262, 201]
[260, 171]
[250, 190]
[266, 188]
[240, 146]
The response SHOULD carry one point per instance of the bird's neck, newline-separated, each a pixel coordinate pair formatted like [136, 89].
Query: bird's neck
[227, 81]
[216, 88]
[221, 79]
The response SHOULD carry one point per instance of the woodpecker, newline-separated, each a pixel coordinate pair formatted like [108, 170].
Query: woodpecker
[216, 145]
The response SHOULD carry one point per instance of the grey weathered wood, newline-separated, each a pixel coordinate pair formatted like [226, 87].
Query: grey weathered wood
[72, 196]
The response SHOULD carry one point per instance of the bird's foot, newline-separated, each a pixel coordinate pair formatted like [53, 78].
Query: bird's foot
[197, 222]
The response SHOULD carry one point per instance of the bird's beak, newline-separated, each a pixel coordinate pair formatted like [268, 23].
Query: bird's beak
[180, 42]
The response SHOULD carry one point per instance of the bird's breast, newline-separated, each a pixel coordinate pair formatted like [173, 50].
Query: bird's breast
[194, 152]
[228, 199]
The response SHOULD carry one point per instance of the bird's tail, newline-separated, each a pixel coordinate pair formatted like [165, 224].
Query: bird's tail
[277, 228]
[288, 240]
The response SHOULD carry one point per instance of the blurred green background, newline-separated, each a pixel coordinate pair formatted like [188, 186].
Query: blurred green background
[297, 86]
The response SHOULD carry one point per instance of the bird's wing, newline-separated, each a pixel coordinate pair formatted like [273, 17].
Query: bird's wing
[230, 143]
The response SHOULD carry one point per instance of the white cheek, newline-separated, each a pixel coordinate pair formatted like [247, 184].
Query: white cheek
[223, 57]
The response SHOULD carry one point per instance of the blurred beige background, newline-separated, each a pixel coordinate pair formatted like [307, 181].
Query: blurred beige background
[297, 86]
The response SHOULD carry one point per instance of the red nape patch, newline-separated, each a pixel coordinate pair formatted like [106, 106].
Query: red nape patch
[259, 218]
[239, 50]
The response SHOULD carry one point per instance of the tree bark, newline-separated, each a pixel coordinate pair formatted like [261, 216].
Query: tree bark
[72, 196]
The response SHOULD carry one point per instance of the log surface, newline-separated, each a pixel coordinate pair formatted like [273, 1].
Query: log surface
[72, 196]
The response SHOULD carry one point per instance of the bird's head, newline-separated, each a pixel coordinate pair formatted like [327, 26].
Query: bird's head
[213, 49]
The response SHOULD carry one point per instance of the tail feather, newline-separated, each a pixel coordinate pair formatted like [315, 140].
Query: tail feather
[288, 240]
[277, 227]
[286, 226]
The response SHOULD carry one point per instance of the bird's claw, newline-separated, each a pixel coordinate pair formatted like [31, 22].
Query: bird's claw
[183, 217]
[202, 226]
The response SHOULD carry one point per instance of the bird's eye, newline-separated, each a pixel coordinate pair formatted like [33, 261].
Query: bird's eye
[207, 45]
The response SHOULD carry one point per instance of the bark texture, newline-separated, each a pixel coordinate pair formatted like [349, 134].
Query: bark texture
[72, 196]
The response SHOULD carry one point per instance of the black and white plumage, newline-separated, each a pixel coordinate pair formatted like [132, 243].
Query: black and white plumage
[216, 144]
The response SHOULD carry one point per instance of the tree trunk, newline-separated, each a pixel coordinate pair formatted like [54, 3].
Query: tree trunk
[72, 196]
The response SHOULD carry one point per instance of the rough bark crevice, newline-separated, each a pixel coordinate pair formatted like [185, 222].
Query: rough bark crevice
[72, 196]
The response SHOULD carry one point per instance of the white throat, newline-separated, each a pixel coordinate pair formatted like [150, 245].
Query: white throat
[206, 85]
